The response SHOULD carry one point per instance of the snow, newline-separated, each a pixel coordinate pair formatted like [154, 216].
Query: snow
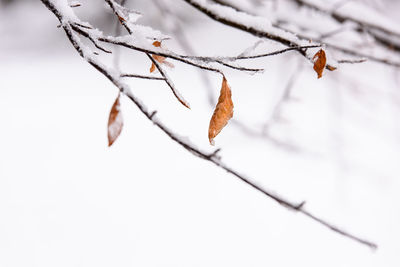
[65, 9]
[68, 200]
[147, 32]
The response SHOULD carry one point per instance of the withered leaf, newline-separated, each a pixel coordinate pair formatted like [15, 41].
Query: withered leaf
[159, 59]
[331, 68]
[115, 122]
[319, 62]
[223, 112]
[152, 68]
[157, 43]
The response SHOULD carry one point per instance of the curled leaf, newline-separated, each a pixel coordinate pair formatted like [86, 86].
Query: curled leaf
[159, 59]
[223, 112]
[115, 122]
[319, 62]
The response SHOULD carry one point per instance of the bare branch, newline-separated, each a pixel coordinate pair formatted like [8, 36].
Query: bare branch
[354, 61]
[142, 77]
[296, 48]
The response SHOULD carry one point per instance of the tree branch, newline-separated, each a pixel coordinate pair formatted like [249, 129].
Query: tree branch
[213, 11]
[67, 24]
[142, 77]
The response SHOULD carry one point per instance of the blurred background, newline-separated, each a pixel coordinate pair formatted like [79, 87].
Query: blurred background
[67, 199]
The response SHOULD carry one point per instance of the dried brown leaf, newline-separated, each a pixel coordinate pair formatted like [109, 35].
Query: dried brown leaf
[157, 43]
[159, 59]
[152, 68]
[319, 62]
[223, 112]
[115, 122]
[331, 68]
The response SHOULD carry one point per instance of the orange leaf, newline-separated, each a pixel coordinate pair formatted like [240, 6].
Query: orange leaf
[331, 68]
[223, 112]
[152, 68]
[157, 43]
[320, 62]
[115, 122]
[160, 59]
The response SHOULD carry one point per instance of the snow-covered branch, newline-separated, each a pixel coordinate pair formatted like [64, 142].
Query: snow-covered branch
[237, 18]
[143, 41]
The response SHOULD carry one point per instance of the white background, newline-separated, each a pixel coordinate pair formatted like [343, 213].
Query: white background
[66, 199]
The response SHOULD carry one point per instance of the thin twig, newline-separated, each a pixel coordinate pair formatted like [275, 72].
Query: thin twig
[352, 61]
[142, 76]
